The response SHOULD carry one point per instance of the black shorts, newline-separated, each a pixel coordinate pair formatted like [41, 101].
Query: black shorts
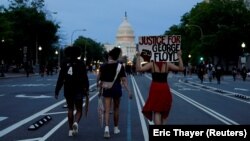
[74, 99]
[114, 92]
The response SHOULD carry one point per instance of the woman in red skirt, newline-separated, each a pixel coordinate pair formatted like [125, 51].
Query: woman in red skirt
[158, 104]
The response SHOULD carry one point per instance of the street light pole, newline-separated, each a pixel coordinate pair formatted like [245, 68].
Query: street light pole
[36, 52]
[201, 31]
[2, 59]
[243, 58]
[74, 32]
[243, 45]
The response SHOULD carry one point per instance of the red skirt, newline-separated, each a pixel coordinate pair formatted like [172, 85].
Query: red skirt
[159, 100]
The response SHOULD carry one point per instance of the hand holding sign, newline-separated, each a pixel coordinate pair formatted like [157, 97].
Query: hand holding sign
[146, 55]
[160, 48]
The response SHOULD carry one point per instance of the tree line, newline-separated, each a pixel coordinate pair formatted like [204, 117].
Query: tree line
[28, 34]
[214, 31]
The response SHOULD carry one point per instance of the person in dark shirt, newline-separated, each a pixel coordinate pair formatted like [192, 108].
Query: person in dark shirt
[73, 76]
[244, 73]
[201, 71]
[234, 72]
[159, 101]
[218, 72]
[107, 73]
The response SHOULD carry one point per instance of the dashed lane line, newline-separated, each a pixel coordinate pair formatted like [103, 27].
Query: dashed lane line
[26, 120]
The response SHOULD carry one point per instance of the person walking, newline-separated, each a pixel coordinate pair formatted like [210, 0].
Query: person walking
[107, 74]
[73, 76]
[201, 71]
[234, 72]
[244, 73]
[210, 71]
[159, 101]
[218, 72]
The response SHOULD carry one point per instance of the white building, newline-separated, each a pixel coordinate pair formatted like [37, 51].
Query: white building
[125, 39]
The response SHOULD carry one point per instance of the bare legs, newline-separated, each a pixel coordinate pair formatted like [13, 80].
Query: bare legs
[158, 120]
[107, 101]
[116, 105]
[77, 117]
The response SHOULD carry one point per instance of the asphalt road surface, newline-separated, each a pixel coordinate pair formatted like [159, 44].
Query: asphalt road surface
[24, 101]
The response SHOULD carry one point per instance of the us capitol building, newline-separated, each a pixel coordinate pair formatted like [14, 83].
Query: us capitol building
[125, 39]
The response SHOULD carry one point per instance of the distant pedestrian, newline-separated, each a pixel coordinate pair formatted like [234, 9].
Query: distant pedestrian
[42, 70]
[73, 76]
[27, 68]
[234, 72]
[218, 72]
[244, 73]
[201, 71]
[210, 71]
[159, 101]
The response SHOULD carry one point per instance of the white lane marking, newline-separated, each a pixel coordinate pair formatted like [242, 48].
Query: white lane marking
[139, 107]
[33, 139]
[207, 110]
[26, 85]
[45, 137]
[33, 97]
[56, 113]
[26, 120]
[1, 94]
[225, 95]
[241, 89]
[3, 118]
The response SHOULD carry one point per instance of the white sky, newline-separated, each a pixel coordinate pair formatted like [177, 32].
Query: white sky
[101, 18]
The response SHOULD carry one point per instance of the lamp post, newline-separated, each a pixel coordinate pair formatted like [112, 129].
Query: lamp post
[58, 57]
[74, 32]
[2, 59]
[194, 25]
[201, 32]
[243, 58]
[37, 49]
[243, 46]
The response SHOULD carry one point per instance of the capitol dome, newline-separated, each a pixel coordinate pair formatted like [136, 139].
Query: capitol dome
[125, 33]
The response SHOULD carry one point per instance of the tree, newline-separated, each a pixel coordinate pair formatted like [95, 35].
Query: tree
[225, 24]
[94, 50]
[30, 29]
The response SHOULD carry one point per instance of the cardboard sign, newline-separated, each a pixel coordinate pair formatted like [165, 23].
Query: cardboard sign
[160, 48]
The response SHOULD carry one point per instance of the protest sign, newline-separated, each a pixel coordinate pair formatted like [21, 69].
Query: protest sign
[160, 48]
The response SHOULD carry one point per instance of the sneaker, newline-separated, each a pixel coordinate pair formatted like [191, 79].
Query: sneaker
[106, 132]
[116, 130]
[75, 128]
[70, 133]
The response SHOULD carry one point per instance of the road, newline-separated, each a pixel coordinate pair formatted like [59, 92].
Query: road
[24, 101]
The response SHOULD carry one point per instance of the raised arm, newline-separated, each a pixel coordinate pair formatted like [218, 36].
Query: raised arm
[140, 68]
[174, 67]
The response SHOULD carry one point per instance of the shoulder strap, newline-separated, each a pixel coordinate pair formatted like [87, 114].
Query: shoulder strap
[117, 71]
